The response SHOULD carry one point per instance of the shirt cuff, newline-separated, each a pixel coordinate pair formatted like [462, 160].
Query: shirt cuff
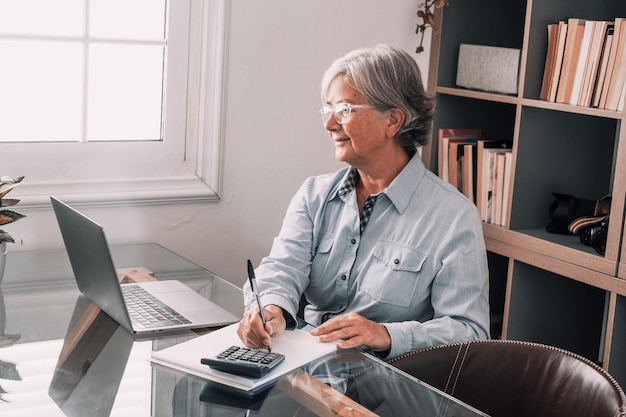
[400, 340]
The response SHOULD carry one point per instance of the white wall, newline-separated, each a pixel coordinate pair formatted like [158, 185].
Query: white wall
[278, 50]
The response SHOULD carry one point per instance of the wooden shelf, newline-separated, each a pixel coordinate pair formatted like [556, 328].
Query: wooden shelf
[563, 247]
[528, 102]
[557, 290]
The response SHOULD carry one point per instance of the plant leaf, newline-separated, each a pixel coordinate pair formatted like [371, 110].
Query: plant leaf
[5, 178]
[9, 180]
[6, 237]
[7, 184]
[7, 202]
[8, 216]
[5, 188]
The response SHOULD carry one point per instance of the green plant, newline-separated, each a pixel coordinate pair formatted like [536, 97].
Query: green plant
[8, 216]
[426, 13]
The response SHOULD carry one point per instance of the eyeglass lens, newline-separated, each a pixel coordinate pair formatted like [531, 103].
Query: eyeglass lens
[341, 111]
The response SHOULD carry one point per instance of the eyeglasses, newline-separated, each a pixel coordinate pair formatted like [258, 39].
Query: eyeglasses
[342, 111]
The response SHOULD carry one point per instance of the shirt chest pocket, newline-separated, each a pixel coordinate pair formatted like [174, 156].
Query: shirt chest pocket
[320, 258]
[393, 274]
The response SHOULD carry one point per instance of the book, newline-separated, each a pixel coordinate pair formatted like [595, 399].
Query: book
[487, 186]
[548, 72]
[455, 163]
[581, 64]
[593, 61]
[611, 63]
[558, 61]
[446, 135]
[573, 41]
[618, 76]
[489, 191]
[446, 157]
[602, 66]
[498, 188]
[469, 165]
[484, 170]
[298, 346]
[506, 188]
[493, 196]
[620, 104]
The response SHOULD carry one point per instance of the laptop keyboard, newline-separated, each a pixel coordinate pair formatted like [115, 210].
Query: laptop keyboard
[146, 311]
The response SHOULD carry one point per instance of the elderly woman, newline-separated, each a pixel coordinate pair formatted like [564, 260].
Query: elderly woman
[389, 257]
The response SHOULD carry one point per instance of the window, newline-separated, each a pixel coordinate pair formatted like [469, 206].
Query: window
[130, 115]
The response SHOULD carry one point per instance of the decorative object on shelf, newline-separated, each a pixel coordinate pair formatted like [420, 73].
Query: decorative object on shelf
[7, 216]
[488, 68]
[588, 219]
[566, 209]
[426, 14]
[592, 231]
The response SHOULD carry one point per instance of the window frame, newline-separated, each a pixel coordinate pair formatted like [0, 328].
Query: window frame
[193, 170]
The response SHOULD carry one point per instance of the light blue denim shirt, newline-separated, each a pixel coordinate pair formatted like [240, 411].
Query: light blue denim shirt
[420, 266]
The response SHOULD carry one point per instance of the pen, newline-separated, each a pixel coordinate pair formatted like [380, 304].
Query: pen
[255, 291]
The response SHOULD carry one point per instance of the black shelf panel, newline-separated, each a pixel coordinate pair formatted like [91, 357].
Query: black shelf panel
[474, 23]
[563, 153]
[551, 309]
[617, 361]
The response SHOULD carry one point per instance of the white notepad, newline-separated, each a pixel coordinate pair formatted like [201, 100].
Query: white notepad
[298, 346]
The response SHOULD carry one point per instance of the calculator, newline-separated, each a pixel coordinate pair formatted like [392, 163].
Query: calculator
[245, 361]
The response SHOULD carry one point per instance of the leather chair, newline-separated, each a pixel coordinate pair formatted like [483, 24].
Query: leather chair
[511, 378]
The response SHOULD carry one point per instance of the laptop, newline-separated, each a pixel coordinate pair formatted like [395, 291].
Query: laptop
[97, 279]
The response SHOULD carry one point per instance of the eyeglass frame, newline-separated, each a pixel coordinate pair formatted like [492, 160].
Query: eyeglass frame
[325, 111]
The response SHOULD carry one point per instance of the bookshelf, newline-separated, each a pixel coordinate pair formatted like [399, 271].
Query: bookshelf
[545, 287]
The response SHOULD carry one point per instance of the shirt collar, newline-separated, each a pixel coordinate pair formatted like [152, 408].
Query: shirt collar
[401, 188]
[349, 182]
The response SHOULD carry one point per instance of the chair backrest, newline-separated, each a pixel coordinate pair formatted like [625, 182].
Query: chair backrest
[511, 378]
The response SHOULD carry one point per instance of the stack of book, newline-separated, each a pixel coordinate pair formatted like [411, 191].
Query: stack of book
[479, 168]
[586, 63]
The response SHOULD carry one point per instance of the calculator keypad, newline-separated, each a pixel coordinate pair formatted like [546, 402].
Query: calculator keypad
[245, 361]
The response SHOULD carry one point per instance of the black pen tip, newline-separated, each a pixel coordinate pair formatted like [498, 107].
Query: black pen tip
[250, 269]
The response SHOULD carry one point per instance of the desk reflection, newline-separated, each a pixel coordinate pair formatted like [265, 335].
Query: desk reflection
[346, 383]
[8, 370]
[91, 363]
[91, 369]
[6, 339]
[55, 361]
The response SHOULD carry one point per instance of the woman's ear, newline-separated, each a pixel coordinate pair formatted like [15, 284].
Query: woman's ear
[396, 120]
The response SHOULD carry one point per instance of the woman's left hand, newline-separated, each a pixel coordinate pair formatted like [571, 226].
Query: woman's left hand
[353, 330]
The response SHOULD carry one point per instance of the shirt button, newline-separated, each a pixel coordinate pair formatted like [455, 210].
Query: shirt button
[397, 261]
[353, 241]
[343, 277]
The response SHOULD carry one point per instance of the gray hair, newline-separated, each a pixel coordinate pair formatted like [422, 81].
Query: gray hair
[388, 77]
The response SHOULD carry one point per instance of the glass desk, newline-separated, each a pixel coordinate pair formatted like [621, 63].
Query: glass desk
[61, 356]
